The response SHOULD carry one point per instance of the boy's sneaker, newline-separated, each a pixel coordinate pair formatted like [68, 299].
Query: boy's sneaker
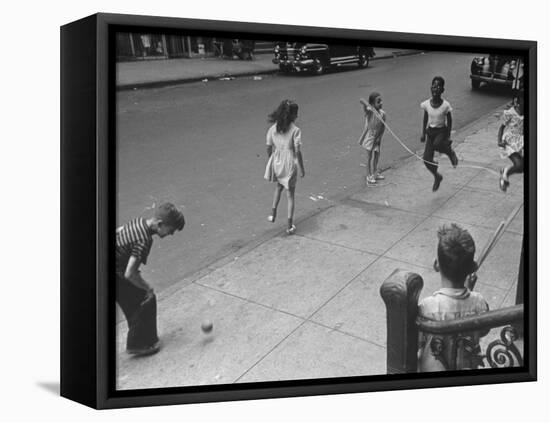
[379, 177]
[371, 180]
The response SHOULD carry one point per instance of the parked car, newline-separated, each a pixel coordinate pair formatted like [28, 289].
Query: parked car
[497, 70]
[317, 58]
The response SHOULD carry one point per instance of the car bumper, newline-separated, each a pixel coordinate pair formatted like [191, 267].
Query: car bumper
[492, 80]
[294, 65]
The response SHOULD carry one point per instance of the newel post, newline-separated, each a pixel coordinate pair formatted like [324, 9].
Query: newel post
[400, 292]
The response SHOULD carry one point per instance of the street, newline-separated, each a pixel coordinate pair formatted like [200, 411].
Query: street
[202, 146]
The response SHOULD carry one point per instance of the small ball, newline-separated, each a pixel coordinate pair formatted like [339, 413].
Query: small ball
[207, 327]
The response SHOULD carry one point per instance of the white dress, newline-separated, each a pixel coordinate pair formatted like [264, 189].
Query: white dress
[282, 166]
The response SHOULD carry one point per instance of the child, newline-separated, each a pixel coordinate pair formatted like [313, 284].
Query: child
[372, 135]
[510, 138]
[436, 129]
[455, 262]
[134, 295]
[284, 157]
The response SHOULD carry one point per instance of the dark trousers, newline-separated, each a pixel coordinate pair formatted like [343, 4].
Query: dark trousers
[141, 318]
[436, 140]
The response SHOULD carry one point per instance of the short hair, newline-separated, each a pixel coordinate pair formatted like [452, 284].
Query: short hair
[168, 214]
[440, 79]
[373, 96]
[455, 253]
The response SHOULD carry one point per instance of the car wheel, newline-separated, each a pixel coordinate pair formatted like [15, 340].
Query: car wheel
[363, 61]
[318, 68]
[475, 84]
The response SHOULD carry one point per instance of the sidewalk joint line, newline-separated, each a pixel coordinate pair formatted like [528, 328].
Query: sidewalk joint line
[333, 329]
[270, 351]
[248, 300]
[312, 238]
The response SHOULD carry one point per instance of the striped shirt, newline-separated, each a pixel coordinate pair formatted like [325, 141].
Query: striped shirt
[133, 239]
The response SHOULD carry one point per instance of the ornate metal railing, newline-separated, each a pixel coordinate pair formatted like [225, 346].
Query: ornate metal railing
[451, 341]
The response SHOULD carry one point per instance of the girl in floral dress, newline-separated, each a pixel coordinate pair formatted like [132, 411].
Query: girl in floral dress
[284, 157]
[510, 138]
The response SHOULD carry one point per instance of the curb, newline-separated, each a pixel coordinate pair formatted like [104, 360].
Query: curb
[179, 81]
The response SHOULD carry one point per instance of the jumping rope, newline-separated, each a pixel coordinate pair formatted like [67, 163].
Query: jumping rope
[416, 155]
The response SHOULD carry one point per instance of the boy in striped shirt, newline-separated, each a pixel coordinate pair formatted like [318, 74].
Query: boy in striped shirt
[134, 295]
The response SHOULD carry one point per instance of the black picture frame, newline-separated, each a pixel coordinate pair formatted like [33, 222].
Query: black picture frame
[87, 214]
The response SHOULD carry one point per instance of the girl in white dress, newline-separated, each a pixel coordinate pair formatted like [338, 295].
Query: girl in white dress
[284, 157]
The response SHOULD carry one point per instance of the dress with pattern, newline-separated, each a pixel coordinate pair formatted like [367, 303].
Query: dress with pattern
[282, 166]
[512, 136]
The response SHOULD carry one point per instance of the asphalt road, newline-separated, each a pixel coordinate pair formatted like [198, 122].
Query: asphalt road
[202, 146]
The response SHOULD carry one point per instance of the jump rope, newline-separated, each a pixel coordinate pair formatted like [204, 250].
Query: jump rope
[416, 155]
[503, 224]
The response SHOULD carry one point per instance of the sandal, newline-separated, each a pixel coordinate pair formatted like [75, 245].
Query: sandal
[291, 230]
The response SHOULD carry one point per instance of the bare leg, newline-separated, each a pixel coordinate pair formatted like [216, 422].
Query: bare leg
[290, 199]
[276, 199]
[375, 162]
[516, 167]
[369, 158]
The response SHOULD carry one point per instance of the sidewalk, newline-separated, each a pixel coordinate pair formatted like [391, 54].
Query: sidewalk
[308, 305]
[154, 73]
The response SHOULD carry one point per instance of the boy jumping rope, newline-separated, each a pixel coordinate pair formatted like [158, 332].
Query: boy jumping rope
[436, 129]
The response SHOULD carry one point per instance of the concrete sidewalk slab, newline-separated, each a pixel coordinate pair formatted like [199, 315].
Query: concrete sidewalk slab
[481, 208]
[481, 154]
[357, 225]
[502, 264]
[416, 172]
[419, 247]
[243, 334]
[359, 309]
[517, 225]
[290, 273]
[488, 181]
[407, 195]
[317, 352]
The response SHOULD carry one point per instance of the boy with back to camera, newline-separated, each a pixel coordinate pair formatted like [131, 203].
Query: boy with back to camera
[134, 295]
[455, 262]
